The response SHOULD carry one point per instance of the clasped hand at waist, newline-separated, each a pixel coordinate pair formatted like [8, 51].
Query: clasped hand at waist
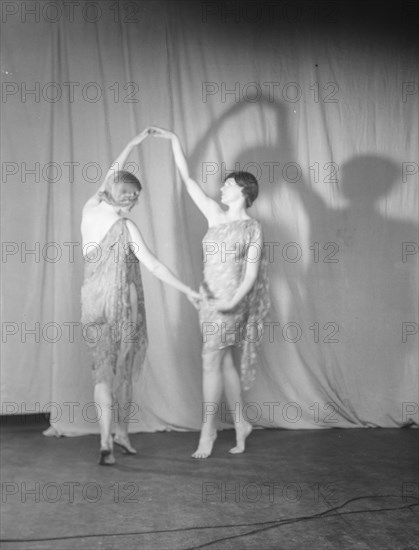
[223, 304]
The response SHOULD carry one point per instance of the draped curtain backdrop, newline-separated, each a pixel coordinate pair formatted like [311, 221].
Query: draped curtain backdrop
[318, 100]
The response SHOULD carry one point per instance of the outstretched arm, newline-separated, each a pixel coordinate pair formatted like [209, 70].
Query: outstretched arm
[208, 206]
[117, 165]
[158, 269]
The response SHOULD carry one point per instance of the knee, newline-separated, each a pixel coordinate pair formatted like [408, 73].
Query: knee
[211, 363]
[227, 360]
[124, 395]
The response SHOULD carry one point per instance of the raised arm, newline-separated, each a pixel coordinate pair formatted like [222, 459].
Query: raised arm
[117, 165]
[209, 207]
[158, 269]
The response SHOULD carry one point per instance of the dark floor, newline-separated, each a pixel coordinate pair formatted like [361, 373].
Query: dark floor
[291, 490]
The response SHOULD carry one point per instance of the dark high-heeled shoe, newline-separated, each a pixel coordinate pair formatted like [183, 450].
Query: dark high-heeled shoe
[106, 457]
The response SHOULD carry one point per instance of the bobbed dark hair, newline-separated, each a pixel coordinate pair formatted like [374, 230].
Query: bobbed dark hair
[248, 182]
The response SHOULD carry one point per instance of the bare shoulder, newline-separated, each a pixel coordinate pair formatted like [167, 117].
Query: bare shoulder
[91, 214]
[257, 228]
[256, 233]
[95, 224]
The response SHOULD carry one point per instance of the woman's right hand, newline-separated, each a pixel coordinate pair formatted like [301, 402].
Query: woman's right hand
[155, 131]
[194, 297]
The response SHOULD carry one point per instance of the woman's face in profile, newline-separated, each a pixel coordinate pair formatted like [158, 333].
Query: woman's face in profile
[230, 191]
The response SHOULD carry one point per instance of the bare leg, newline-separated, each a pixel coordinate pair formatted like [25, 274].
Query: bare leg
[212, 388]
[103, 400]
[125, 394]
[121, 437]
[232, 389]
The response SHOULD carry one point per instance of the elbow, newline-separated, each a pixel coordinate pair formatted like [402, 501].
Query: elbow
[250, 283]
[158, 270]
[154, 269]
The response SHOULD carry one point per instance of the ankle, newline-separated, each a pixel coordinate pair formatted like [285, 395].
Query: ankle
[241, 424]
[121, 436]
[208, 432]
[106, 443]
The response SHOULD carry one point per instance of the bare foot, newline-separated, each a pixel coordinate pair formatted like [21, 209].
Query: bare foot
[51, 432]
[124, 443]
[205, 445]
[243, 430]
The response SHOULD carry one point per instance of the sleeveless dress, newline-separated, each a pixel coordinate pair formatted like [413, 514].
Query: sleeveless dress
[227, 248]
[113, 310]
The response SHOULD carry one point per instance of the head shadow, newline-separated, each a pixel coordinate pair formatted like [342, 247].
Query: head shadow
[355, 278]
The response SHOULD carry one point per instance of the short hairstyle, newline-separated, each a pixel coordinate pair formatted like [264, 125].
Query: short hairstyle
[248, 182]
[123, 176]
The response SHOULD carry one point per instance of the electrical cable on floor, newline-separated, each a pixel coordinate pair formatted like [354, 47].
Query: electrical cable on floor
[326, 514]
[265, 525]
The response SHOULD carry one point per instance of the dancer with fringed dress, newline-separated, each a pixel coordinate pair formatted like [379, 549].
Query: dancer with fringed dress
[234, 294]
[112, 299]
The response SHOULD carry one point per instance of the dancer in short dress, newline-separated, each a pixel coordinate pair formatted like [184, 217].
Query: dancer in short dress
[112, 299]
[235, 296]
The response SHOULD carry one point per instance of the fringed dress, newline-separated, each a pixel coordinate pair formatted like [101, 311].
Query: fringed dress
[227, 248]
[113, 312]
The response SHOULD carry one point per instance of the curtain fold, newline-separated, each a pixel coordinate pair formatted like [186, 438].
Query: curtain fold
[324, 115]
